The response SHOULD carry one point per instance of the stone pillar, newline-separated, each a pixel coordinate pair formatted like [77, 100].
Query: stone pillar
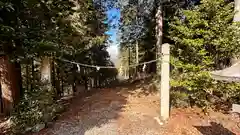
[165, 79]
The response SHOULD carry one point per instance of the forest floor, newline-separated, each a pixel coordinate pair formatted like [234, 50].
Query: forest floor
[132, 110]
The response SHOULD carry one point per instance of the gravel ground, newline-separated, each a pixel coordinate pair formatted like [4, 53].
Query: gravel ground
[132, 111]
[109, 112]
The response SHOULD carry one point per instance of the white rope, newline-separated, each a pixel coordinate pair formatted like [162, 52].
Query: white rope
[144, 63]
[98, 67]
[127, 57]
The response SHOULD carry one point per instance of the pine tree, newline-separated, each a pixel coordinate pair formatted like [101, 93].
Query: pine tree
[205, 39]
[35, 38]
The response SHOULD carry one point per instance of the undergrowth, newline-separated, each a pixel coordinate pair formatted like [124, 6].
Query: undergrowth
[36, 107]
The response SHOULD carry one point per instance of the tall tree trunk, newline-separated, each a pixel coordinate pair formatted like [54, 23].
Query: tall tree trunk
[46, 72]
[74, 87]
[62, 84]
[28, 77]
[18, 76]
[137, 60]
[9, 84]
[129, 62]
[74, 81]
[58, 82]
[159, 36]
[33, 74]
[1, 102]
[53, 78]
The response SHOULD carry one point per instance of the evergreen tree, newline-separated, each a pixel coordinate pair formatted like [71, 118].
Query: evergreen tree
[138, 24]
[205, 39]
[36, 36]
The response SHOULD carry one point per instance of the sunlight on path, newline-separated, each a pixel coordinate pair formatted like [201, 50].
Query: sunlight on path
[132, 111]
[109, 112]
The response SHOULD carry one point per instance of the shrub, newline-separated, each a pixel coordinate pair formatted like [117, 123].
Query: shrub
[36, 107]
[205, 39]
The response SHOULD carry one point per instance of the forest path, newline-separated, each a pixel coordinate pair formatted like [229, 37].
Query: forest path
[132, 110]
[118, 111]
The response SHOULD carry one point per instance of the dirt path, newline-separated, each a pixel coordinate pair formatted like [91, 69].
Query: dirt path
[132, 112]
[109, 112]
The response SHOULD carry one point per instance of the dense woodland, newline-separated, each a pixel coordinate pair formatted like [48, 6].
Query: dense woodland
[38, 38]
[204, 37]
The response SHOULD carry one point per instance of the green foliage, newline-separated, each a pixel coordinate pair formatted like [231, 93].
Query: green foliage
[137, 27]
[205, 39]
[36, 107]
[179, 99]
[58, 29]
[138, 24]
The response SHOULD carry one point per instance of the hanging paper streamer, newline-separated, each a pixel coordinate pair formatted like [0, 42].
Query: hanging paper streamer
[78, 68]
[144, 67]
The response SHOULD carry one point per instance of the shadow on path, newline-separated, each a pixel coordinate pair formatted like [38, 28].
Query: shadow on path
[214, 129]
[97, 112]
[86, 115]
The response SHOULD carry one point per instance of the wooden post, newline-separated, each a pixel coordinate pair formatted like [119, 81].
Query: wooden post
[164, 91]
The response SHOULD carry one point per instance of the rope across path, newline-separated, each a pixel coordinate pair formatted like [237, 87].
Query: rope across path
[98, 67]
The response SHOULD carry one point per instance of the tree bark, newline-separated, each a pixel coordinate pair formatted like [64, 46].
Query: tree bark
[159, 36]
[27, 76]
[137, 60]
[1, 102]
[19, 80]
[33, 74]
[74, 81]
[58, 89]
[9, 84]
[53, 78]
[129, 62]
[62, 84]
